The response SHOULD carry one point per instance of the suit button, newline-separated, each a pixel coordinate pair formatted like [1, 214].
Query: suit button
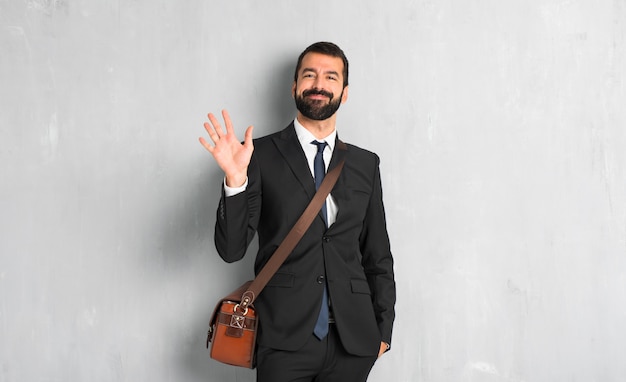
[320, 279]
[326, 239]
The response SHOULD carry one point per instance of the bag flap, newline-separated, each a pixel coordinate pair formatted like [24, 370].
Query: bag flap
[234, 296]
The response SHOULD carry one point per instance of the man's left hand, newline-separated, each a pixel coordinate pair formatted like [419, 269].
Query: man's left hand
[383, 348]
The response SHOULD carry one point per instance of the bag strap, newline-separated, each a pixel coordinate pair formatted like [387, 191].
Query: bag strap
[295, 234]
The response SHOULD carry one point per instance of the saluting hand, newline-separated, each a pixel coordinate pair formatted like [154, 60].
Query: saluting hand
[231, 155]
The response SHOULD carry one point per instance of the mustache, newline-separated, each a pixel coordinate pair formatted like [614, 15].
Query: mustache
[317, 92]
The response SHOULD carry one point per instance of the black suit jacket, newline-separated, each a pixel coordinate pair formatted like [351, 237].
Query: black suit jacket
[353, 254]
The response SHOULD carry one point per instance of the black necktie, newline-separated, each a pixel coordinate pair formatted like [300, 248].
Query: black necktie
[320, 171]
[321, 326]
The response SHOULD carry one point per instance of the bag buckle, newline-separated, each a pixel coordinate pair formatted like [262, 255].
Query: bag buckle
[237, 321]
[237, 309]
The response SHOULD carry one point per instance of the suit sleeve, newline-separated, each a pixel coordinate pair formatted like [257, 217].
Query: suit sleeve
[377, 260]
[238, 218]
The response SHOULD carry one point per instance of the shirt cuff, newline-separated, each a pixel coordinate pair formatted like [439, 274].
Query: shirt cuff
[232, 191]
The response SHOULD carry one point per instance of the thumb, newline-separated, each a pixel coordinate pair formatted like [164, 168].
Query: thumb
[248, 136]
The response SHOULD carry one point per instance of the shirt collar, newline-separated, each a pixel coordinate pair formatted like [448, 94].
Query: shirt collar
[305, 137]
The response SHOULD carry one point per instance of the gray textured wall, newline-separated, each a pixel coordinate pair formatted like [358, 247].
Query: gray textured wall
[500, 125]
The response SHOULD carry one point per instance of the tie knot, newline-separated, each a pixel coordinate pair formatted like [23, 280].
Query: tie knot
[320, 145]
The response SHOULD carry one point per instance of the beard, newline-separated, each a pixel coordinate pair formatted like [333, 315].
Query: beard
[316, 109]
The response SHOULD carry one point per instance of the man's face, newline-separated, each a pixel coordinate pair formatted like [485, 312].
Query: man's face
[319, 90]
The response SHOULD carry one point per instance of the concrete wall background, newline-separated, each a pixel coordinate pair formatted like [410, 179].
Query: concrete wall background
[500, 125]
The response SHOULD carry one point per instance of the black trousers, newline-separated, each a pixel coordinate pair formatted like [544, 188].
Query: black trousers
[317, 361]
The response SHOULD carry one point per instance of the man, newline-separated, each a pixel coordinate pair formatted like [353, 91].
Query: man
[328, 312]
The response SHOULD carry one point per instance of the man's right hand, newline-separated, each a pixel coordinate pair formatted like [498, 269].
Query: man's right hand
[232, 156]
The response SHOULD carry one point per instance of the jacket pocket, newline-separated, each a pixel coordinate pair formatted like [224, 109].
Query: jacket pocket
[360, 286]
[282, 280]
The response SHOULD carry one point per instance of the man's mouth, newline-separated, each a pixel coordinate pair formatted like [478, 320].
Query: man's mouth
[317, 94]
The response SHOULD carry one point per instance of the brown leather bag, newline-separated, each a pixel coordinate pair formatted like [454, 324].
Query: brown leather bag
[233, 330]
[233, 325]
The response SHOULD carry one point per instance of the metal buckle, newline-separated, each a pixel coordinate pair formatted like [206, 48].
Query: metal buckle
[237, 321]
[243, 313]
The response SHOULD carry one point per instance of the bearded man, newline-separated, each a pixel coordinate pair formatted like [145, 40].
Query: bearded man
[327, 314]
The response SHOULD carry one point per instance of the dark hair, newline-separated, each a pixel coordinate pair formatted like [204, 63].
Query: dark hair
[329, 49]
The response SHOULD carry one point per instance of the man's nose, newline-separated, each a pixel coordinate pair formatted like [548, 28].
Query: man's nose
[319, 83]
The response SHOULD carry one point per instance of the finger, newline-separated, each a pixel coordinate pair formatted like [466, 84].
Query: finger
[216, 125]
[206, 145]
[228, 122]
[211, 132]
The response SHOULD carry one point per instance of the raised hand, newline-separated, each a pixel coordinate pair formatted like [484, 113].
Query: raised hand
[231, 155]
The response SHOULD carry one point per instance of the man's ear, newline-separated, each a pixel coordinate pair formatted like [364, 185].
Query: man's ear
[293, 90]
[344, 97]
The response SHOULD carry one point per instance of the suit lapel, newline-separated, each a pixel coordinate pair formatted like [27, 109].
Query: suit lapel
[339, 190]
[289, 146]
[341, 149]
